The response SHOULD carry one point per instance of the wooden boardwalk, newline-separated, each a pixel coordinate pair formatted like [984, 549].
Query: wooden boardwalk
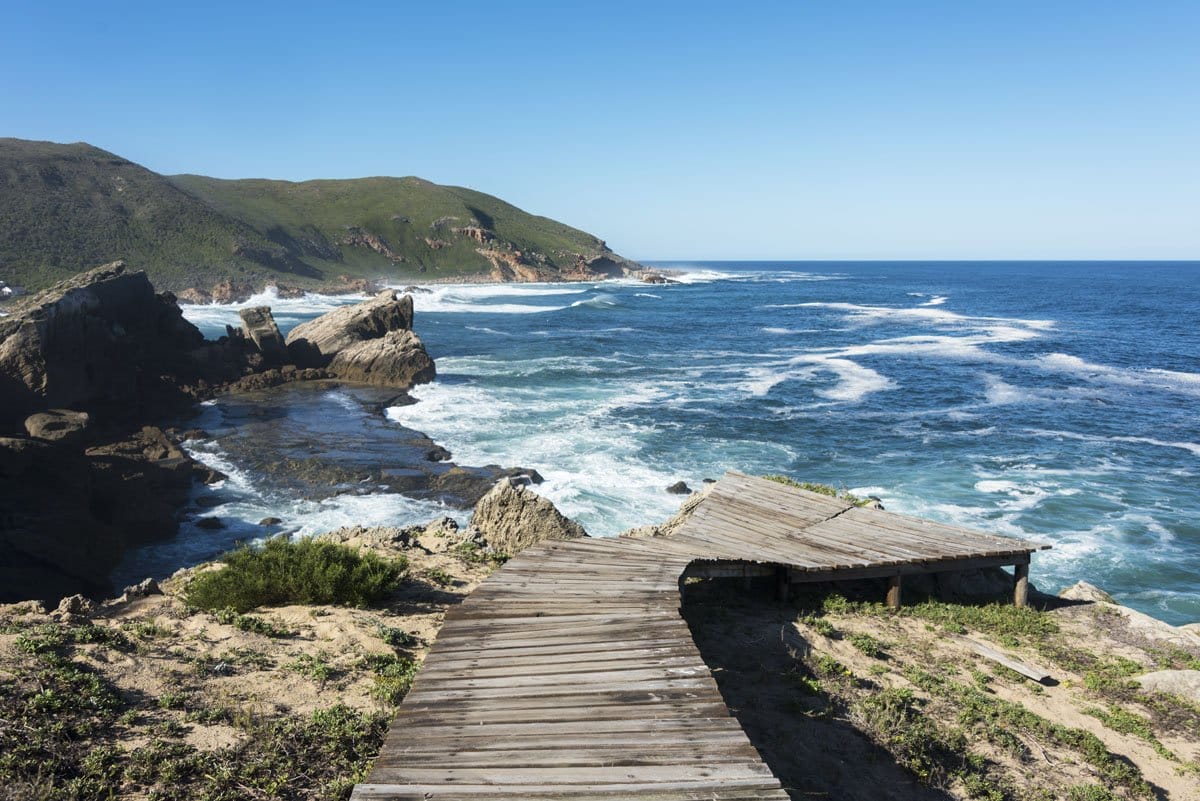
[569, 673]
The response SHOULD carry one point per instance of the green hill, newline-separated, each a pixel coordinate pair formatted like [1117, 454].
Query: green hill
[65, 208]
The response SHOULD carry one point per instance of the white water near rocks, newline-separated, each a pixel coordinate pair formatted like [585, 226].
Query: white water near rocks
[1048, 401]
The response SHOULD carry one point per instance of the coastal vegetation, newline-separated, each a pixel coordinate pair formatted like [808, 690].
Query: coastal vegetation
[68, 207]
[304, 571]
[845, 680]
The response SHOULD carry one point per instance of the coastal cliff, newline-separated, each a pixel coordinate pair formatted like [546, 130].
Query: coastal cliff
[94, 370]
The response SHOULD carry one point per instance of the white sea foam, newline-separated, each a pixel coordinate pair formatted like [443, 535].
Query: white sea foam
[936, 300]
[1170, 380]
[647, 295]
[1190, 447]
[704, 276]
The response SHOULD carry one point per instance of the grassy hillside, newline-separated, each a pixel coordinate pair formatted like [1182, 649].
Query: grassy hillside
[64, 208]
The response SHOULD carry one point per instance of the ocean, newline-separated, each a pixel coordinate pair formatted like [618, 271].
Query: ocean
[1055, 401]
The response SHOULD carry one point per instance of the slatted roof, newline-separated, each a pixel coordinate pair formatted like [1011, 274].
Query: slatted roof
[569, 673]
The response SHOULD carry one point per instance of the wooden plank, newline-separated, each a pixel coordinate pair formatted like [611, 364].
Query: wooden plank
[1024, 668]
[570, 674]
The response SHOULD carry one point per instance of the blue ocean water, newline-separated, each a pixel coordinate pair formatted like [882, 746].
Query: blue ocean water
[1056, 401]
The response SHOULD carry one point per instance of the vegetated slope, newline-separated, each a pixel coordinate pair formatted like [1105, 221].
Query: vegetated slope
[67, 208]
[64, 208]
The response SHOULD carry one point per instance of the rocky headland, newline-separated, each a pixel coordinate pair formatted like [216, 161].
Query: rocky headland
[97, 375]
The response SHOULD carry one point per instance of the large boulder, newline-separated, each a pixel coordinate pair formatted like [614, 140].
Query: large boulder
[511, 517]
[397, 359]
[371, 342]
[57, 425]
[101, 339]
[316, 342]
[261, 329]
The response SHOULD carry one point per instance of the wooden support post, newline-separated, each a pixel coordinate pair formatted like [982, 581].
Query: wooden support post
[1021, 584]
[782, 583]
[893, 593]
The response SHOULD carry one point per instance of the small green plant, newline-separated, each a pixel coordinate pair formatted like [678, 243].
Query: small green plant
[256, 625]
[306, 571]
[440, 577]
[315, 668]
[393, 676]
[396, 637]
[869, 645]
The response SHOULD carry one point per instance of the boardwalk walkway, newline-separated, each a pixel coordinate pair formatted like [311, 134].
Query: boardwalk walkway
[569, 674]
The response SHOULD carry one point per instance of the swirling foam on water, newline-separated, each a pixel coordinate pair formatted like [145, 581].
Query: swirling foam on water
[950, 395]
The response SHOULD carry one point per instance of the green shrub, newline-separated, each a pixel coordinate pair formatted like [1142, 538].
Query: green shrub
[306, 571]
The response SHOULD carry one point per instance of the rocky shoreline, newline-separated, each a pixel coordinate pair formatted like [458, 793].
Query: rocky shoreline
[92, 372]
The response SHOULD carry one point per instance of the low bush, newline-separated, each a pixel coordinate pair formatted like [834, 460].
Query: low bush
[306, 571]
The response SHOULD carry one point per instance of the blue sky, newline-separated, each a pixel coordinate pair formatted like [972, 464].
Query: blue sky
[799, 130]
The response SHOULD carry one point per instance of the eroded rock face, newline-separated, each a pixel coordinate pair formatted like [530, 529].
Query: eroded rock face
[260, 328]
[511, 517]
[371, 342]
[323, 337]
[101, 338]
[397, 359]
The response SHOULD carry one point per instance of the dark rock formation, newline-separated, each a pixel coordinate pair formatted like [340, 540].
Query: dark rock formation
[260, 328]
[679, 488]
[100, 339]
[68, 514]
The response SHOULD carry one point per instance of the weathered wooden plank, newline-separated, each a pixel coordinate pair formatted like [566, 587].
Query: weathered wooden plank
[570, 675]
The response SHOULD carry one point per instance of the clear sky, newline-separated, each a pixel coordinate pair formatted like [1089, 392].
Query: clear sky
[800, 130]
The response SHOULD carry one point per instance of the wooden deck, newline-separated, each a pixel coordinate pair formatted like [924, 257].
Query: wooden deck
[569, 673]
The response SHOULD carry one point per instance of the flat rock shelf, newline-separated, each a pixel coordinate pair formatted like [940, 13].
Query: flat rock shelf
[570, 674]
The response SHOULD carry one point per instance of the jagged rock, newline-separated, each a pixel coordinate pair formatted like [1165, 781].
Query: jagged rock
[442, 527]
[1184, 683]
[194, 296]
[679, 488]
[316, 342]
[437, 454]
[510, 518]
[229, 292]
[1082, 591]
[74, 607]
[207, 475]
[398, 359]
[99, 339]
[413, 290]
[1191, 628]
[58, 425]
[142, 589]
[261, 329]
[210, 523]
[965, 585]
[270, 521]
